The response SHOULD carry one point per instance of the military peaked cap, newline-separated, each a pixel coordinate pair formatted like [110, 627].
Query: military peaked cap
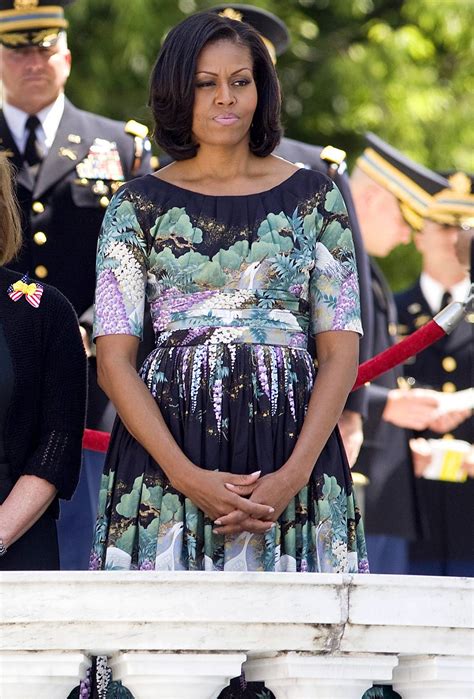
[31, 22]
[414, 185]
[270, 27]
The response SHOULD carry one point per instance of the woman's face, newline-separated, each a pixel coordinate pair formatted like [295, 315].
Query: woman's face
[225, 96]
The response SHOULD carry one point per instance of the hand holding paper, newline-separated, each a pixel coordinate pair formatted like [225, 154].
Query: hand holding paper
[460, 400]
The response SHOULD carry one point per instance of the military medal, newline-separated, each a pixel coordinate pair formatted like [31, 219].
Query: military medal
[102, 162]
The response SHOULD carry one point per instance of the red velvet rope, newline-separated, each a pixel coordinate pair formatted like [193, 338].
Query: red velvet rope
[369, 370]
[391, 357]
[95, 440]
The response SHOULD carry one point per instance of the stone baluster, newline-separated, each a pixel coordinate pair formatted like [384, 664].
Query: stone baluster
[434, 677]
[307, 676]
[40, 674]
[171, 675]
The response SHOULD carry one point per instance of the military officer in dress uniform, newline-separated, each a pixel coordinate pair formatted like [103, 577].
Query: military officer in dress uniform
[448, 366]
[330, 161]
[391, 194]
[68, 164]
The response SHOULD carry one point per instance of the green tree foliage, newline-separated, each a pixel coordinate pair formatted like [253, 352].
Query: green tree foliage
[401, 68]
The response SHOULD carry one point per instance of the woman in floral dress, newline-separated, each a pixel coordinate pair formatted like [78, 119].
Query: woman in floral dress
[226, 454]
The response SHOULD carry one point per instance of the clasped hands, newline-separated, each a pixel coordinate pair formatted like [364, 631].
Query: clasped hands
[418, 409]
[239, 503]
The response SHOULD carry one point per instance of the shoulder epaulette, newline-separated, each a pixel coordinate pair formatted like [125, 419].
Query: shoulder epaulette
[335, 159]
[134, 128]
[141, 142]
[332, 155]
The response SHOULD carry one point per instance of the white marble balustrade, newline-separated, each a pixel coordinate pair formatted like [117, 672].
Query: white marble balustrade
[182, 635]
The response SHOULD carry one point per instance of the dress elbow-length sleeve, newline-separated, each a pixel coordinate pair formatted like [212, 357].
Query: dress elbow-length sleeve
[121, 268]
[334, 286]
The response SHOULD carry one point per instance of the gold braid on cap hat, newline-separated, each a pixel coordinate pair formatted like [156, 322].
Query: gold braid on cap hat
[43, 37]
[460, 182]
[25, 4]
[453, 206]
[230, 13]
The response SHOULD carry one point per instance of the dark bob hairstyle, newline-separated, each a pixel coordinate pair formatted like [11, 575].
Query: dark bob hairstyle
[172, 84]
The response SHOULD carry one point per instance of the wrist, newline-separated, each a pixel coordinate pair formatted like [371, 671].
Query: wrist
[294, 476]
[351, 417]
[5, 537]
[182, 475]
[391, 398]
[5, 541]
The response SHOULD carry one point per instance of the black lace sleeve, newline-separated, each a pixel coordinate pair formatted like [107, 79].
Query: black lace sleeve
[57, 457]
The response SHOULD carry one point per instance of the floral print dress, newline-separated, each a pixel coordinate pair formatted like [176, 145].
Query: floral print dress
[237, 286]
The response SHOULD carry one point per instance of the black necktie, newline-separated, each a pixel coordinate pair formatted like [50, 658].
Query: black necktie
[445, 300]
[33, 154]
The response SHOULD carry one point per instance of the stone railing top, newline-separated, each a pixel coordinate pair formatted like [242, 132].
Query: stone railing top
[110, 611]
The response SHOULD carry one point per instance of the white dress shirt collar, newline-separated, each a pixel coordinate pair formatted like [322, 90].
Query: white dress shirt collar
[433, 291]
[16, 120]
[49, 117]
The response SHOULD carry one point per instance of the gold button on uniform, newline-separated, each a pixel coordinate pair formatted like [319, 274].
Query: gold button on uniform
[414, 308]
[41, 272]
[37, 207]
[449, 364]
[421, 320]
[40, 238]
[448, 387]
[104, 202]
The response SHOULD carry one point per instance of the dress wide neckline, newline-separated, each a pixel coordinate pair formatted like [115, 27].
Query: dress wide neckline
[287, 180]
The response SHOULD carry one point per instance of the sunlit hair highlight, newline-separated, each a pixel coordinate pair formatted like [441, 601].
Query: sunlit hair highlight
[10, 228]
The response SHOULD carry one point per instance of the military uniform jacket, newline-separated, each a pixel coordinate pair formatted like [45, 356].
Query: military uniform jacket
[391, 497]
[447, 365]
[63, 206]
[310, 156]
